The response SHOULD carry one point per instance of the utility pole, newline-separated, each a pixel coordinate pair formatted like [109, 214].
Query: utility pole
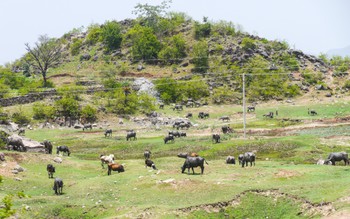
[244, 111]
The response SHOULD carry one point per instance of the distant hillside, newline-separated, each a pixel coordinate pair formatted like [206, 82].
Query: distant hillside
[339, 52]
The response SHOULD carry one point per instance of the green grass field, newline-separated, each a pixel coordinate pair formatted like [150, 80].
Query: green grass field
[284, 183]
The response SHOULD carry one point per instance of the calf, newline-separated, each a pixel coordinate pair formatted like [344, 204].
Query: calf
[185, 155]
[230, 160]
[192, 162]
[50, 170]
[58, 186]
[106, 159]
[240, 158]
[115, 167]
[224, 118]
[150, 163]
[87, 126]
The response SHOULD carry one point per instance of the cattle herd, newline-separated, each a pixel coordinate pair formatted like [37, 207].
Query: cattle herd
[192, 160]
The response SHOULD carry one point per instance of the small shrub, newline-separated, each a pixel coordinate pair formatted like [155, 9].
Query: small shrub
[75, 47]
[20, 118]
[248, 43]
[111, 35]
[202, 30]
[347, 84]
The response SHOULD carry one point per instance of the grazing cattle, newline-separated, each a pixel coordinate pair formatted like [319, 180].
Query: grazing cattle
[224, 118]
[230, 160]
[226, 129]
[58, 186]
[248, 157]
[150, 163]
[183, 134]
[115, 167]
[21, 131]
[147, 154]
[2, 156]
[189, 115]
[270, 115]
[311, 112]
[197, 103]
[178, 107]
[63, 149]
[161, 106]
[192, 162]
[216, 138]
[16, 143]
[251, 108]
[203, 115]
[183, 125]
[48, 146]
[50, 170]
[108, 132]
[174, 133]
[337, 156]
[87, 126]
[190, 104]
[185, 155]
[240, 158]
[106, 159]
[131, 134]
[169, 138]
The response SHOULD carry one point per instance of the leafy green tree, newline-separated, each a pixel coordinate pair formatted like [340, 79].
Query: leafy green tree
[111, 35]
[168, 89]
[151, 15]
[94, 34]
[88, 114]
[195, 88]
[147, 103]
[145, 44]
[174, 51]
[202, 30]
[125, 101]
[68, 107]
[46, 54]
[200, 57]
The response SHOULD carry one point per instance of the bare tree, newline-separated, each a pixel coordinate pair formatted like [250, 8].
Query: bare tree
[45, 54]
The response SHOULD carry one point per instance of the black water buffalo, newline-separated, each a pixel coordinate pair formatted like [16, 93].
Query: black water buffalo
[178, 107]
[248, 157]
[58, 186]
[63, 149]
[224, 118]
[250, 108]
[169, 138]
[108, 132]
[174, 133]
[50, 170]
[115, 167]
[226, 129]
[203, 115]
[87, 126]
[311, 112]
[161, 106]
[189, 115]
[183, 134]
[269, 115]
[48, 146]
[216, 138]
[230, 160]
[192, 162]
[130, 135]
[184, 125]
[147, 154]
[240, 158]
[150, 163]
[337, 156]
[15, 143]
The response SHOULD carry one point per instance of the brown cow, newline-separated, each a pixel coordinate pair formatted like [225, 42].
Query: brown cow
[115, 167]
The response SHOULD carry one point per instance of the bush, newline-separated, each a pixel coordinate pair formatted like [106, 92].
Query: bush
[111, 35]
[347, 84]
[248, 43]
[224, 28]
[147, 103]
[174, 51]
[68, 107]
[88, 114]
[94, 34]
[20, 118]
[75, 47]
[224, 95]
[202, 30]
[312, 78]
[43, 111]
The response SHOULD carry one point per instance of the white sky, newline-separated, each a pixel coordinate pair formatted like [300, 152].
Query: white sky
[313, 26]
